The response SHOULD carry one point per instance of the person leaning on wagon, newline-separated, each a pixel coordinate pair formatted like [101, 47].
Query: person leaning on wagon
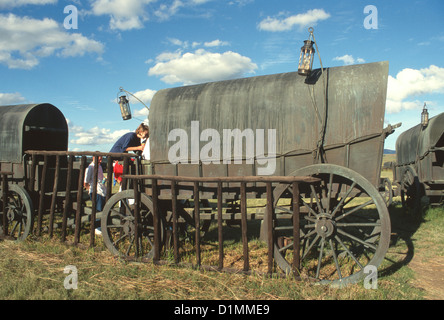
[131, 141]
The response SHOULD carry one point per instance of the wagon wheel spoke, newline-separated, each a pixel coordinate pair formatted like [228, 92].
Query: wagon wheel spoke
[119, 228]
[355, 209]
[338, 269]
[321, 252]
[119, 239]
[343, 227]
[19, 213]
[349, 252]
[341, 202]
[310, 246]
[330, 187]
[352, 237]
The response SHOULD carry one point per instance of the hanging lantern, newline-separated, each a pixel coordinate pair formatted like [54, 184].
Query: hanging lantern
[124, 107]
[424, 116]
[306, 58]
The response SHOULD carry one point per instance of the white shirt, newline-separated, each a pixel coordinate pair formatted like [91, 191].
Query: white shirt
[146, 151]
[89, 179]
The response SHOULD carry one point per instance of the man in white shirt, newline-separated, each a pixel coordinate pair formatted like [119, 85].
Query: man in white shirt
[101, 189]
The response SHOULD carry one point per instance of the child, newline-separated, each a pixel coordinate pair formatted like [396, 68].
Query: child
[130, 141]
[101, 189]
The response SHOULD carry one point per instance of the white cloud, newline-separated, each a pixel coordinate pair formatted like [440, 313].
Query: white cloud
[310, 18]
[410, 83]
[166, 11]
[19, 3]
[11, 98]
[348, 59]
[94, 136]
[131, 14]
[216, 43]
[194, 44]
[201, 66]
[24, 41]
[146, 96]
[124, 14]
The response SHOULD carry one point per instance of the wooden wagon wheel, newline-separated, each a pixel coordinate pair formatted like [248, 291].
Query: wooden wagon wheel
[386, 190]
[118, 226]
[411, 191]
[344, 225]
[19, 213]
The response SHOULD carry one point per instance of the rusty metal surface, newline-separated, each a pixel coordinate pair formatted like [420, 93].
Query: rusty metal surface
[291, 104]
[31, 126]
[422, 148]
[417, 141]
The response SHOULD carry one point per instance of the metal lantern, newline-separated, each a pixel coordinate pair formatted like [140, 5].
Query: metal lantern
[124, 104]
[424, 116]
[124, 107]
[306, 58]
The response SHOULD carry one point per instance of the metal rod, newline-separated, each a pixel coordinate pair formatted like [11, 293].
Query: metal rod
[124, 183]
[136, 220]
[54, 196]
[94, 201]
[269, 224]
[282, 179]
[42, 195]
[197, 222]
[67, 197]
[31, 182]
[5, 203]
[296, 232]
[175, 229]
[156, 220]
[219, 226]
[121, 89]
[79, 200]
[109, 177]
[243, 199]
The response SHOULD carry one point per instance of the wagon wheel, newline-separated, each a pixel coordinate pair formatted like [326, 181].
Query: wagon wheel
[190, 223]
[411, 191]
[19, 213]
[385, 189]
[344, 225]
[118, 227]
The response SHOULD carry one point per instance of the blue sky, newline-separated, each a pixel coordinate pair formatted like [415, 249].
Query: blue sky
[148, 45]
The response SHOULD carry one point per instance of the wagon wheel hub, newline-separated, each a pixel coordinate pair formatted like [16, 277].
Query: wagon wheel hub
[128, 227]
[325, 227]
[12, 215]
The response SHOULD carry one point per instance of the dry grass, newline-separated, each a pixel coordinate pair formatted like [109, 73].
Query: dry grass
[34, 269]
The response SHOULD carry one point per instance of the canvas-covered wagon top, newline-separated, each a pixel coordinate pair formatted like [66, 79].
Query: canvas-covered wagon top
[416, 142]
[31, 127]
[293, 105]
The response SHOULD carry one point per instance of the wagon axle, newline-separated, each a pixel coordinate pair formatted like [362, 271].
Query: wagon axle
[325, 227]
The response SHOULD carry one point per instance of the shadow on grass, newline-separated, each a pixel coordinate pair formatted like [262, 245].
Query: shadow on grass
[402, 249]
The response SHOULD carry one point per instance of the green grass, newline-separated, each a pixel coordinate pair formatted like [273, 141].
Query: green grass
[35, 270]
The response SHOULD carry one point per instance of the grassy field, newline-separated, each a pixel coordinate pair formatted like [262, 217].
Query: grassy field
[34, 270]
